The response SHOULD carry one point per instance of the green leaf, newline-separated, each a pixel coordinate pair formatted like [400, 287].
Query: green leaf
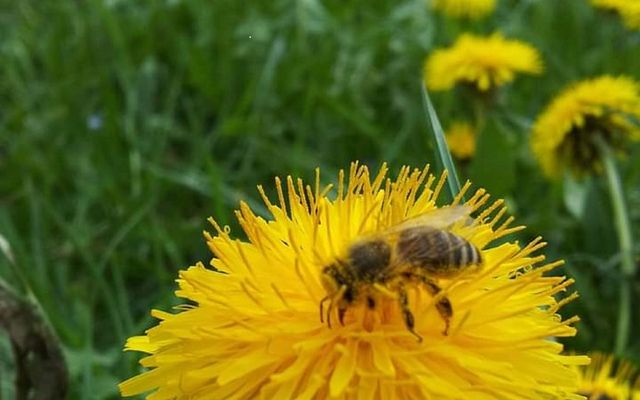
[441, 144]
[493, 166]
[575, 193]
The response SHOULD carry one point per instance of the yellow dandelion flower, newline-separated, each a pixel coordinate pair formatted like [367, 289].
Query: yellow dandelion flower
[485, 62]
[563, 135]
[461, 138]
[252, 327]
[608, 4]
[473, 9]
[605, 378]
[629, 10]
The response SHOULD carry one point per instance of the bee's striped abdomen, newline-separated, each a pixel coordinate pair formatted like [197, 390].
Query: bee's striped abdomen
[462, 252]
[436, 251]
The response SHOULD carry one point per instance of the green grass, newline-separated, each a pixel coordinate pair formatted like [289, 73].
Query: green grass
[124, 125]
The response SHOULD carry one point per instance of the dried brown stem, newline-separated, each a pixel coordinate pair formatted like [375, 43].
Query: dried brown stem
[41, 372]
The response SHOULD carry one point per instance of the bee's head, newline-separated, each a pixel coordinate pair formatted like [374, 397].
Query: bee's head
[331, 278]
[335, 279]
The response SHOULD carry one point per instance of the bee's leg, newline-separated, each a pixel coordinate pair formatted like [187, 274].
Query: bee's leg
[347, 297]
[443, 305]
[371, 303]
[342, 310]
[332, 301]
[329, 309]
[324, 299]
[407, 315]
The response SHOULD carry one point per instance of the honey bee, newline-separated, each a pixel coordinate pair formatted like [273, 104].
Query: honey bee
[417, 251]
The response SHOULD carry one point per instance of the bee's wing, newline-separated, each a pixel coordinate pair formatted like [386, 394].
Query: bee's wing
[414, 229]
[440, 218]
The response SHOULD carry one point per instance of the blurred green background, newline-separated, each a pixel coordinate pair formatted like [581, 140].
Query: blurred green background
[124, 125]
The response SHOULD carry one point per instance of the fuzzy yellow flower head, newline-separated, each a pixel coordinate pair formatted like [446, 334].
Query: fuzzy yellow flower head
[473, 9]
[461, 138]
[566, 133]
[605, 378]
[252, 327]
[484, 62]
[629, 10]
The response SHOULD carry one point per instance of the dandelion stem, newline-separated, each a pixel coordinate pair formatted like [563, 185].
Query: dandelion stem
[621, 219]
[441, 144]
[478, 114]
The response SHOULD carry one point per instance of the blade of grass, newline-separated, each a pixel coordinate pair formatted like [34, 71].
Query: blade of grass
[119, 288]
[102, 286]
[441, 144]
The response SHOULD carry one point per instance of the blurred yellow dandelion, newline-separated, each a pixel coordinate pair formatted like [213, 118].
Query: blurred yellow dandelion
[461, 138]
[605, 378]
[629, 10]
[252, 327]
[485, 62]
[564, 135]
[473, 9]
